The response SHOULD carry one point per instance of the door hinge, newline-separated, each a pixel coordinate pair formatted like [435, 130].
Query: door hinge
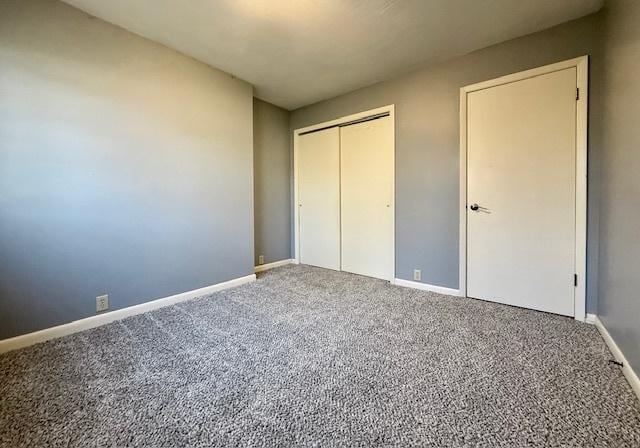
[577, 94]
[575, 279]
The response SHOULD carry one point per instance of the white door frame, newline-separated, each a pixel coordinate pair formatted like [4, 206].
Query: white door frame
[582, 69]
[390, 109]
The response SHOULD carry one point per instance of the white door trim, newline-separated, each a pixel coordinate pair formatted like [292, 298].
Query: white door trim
[582, 69]
[390, 109]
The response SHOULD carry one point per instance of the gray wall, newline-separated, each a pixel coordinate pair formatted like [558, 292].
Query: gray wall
[272, 173]
[427, 141]
[619, 298]
[125, 168]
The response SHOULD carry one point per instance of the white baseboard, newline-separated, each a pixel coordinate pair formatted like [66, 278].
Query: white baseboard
[426, 287]
[275, 264]
[627, 370]
[590, 319]
[25, 340]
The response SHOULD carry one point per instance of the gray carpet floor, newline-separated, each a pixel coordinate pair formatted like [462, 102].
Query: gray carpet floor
[309, 357]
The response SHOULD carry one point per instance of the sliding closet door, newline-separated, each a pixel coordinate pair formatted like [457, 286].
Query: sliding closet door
[319, 198]
[367, 161]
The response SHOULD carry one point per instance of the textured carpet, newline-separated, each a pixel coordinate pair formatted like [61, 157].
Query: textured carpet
[309, 357]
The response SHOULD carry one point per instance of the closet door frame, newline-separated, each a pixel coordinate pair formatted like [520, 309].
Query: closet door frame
[390, 110]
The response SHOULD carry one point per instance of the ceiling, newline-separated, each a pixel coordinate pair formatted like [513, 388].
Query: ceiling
[297, 52]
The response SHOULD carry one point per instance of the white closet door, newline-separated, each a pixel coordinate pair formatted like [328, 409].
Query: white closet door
[319, 198]
[521, 165]
[367, 163]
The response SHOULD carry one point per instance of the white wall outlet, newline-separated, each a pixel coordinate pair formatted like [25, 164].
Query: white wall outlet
[417, 275]
[260, 259]
[102, 303]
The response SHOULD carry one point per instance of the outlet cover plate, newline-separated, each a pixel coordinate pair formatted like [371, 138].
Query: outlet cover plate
[102, 303]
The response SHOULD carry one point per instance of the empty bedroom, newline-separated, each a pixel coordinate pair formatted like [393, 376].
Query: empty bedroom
[297, 223]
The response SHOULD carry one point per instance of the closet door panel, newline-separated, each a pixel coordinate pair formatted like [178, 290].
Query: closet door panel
[319, 198]
[367, 161]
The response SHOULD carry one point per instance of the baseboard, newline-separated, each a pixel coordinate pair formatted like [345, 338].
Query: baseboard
[627, 370]
[426, 287]
[275, 264]
[590, 319]
[47, 334]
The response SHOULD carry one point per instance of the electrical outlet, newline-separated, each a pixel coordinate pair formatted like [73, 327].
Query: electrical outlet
[260, 259]
[417, 275]
[102, 303]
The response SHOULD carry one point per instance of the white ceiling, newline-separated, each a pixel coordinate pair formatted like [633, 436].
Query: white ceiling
[297, 52]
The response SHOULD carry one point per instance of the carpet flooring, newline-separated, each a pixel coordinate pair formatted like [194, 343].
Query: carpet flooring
[310, 357]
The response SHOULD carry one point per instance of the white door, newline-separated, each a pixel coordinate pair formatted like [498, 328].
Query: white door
[521, 164]
[319, 198]
[367, 164]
